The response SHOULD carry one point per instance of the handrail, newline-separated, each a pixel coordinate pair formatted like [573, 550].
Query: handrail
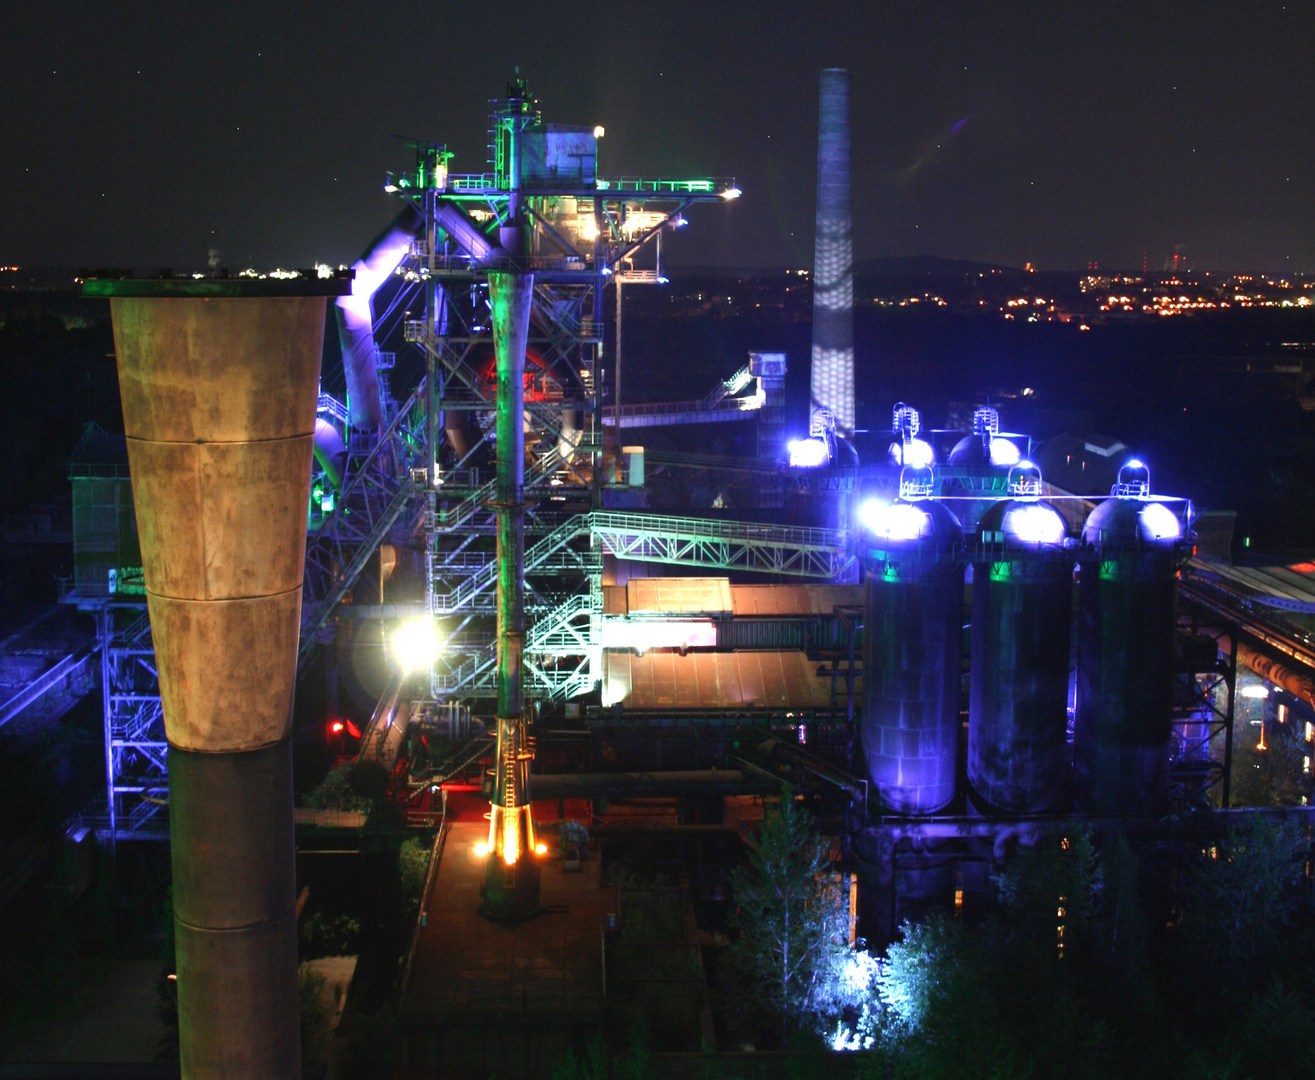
[833, 540]
[46, 681]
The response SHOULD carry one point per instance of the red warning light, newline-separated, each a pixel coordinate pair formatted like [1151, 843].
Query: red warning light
[336, 727]
[353, 730]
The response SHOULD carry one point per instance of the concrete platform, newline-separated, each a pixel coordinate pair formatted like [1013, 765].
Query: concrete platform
[482, 997]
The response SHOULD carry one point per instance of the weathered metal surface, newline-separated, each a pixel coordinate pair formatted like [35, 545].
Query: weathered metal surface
[705, 680]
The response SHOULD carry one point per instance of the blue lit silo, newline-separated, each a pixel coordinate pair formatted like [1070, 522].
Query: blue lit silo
[911, 554]
[1131, 546]
[1022, 608]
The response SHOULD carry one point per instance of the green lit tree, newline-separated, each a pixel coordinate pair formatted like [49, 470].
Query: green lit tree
[792, 915]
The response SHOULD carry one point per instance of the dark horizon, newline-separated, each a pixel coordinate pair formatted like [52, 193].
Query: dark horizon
[150, 134]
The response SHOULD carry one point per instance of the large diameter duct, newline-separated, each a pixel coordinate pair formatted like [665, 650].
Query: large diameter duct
[330, 452]
[381, 742]
[356, 320]
[1291, 680]
[833, 259]
[1018, 698]
[511, 888]
[219, 396]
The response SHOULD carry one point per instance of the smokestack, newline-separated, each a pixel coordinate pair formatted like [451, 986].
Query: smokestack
[219, 381]
[833, 258]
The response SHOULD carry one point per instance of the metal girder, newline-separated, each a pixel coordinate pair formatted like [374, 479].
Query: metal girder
[723, 545]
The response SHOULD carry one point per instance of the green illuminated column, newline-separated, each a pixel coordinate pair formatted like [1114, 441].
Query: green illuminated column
[511, 888]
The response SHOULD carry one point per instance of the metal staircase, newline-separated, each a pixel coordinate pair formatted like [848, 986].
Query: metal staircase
[374, 497]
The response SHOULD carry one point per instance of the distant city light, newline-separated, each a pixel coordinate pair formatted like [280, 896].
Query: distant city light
[808, 453]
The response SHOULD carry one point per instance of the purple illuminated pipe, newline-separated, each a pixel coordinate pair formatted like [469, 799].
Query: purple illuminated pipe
[356, 322]
[330, 452]
[465, 233]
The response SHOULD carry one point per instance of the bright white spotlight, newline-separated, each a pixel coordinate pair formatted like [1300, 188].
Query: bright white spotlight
[808, 453]
[731, 193]
[919, 453]
[415, 643]
[1003, 452]
[1034, 524]
[1255, 690]
[599, 131]
[1159, 523]
[896, 521]
[872, 512]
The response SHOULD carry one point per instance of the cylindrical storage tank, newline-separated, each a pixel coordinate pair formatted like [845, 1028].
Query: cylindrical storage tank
[1131, 546]
[911, 558]
[1018, 696]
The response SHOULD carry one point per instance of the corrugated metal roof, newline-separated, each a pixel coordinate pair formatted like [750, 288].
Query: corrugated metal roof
[778, 600]
[714, 596]
[706, 680]
[1296, 582]
[679, 595]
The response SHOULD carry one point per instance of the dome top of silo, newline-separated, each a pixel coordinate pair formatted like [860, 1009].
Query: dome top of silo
[1132, 515]
[1023, 522]
[915, 518]
[1023, 519]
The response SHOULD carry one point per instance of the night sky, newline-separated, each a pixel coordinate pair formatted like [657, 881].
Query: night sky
[147, 134]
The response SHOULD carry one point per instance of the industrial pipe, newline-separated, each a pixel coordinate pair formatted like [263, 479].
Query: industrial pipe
[648, 784]
[1292, 681]
[219, 382]
[330, 452]
[356, 320]
[381, 741]
[774, 751]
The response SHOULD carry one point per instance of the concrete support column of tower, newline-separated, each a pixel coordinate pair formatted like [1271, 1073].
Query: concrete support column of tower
[219, 382]
[833, 260]
[511, 888]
